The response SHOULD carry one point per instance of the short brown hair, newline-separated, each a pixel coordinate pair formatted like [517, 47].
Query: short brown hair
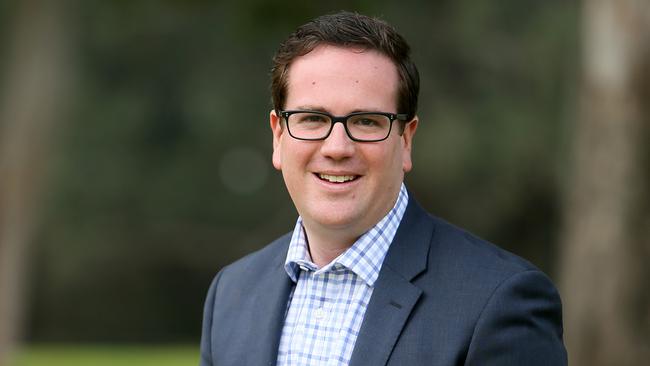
[348, 30]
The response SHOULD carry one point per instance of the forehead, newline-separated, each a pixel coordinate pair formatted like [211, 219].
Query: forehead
[342, 76]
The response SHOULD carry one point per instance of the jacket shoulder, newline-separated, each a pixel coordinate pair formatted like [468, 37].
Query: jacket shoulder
[273, 253]
[459, 245]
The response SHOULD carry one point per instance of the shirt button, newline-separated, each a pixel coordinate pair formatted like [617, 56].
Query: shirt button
[320, 313]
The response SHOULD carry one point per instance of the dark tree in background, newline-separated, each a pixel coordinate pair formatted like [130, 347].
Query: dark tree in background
[35, 78]
[606, 244]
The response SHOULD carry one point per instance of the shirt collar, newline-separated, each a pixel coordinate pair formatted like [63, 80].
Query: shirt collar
[364, 257]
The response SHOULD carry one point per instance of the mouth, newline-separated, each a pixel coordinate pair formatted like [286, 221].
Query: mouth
[337, 178]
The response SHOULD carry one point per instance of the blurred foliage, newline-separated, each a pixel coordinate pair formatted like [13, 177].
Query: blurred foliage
[163, 173]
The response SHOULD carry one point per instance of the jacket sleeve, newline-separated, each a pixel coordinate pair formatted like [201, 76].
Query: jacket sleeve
[206, 332]
[521, 324]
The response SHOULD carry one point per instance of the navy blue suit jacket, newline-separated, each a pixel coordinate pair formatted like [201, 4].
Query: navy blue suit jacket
[443, 297]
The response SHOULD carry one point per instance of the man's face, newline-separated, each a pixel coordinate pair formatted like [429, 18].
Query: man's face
[340, 81]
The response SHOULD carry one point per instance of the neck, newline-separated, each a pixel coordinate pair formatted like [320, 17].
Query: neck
[324, 247]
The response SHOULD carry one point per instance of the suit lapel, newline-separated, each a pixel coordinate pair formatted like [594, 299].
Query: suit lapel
[394, 295]
[268, 312]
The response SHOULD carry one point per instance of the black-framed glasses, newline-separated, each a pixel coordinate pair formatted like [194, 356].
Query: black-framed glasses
[360, 126]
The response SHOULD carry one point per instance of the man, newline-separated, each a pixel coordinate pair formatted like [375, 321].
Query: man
[367, 277]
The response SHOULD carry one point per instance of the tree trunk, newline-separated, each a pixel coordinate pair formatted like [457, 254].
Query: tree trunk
[32, 97]
[606, 241]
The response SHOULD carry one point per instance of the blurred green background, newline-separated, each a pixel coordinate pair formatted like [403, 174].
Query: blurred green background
[164, 175]
[158, 170]
[161, 171]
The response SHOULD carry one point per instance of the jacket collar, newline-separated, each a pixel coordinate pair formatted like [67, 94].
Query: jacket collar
[394, 296]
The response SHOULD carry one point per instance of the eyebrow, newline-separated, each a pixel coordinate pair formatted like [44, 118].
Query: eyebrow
[324, 110]
[312, 108]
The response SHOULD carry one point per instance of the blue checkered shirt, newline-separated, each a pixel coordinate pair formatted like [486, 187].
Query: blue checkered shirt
[327, 305]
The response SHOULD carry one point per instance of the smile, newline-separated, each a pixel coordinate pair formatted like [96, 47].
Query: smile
[337, 178]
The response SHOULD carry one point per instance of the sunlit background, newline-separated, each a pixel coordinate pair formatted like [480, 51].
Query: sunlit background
[135, 160]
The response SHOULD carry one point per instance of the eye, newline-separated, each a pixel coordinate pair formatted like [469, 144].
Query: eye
[311, 118]
[368, 121]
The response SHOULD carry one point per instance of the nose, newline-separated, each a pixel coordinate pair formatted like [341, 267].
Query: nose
[338, 144]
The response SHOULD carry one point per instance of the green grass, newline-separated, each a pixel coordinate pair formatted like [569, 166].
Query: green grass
[101, 355]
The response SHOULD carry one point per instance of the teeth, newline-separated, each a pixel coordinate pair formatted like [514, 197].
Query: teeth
[336, 178]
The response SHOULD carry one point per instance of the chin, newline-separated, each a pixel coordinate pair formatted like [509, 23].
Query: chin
[335, 221]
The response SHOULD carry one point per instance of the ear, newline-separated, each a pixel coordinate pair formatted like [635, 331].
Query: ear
[276, 128]
[407, 141]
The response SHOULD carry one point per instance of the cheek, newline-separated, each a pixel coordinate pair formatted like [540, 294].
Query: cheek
[292, 157]
[398, 164]
[383, 160]
[287, 155]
